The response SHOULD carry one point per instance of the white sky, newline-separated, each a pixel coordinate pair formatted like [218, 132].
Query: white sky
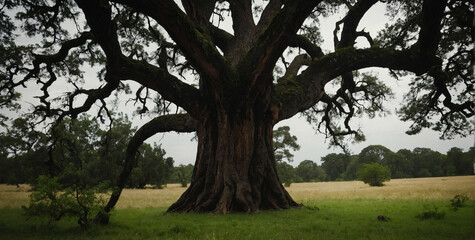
[388, 131]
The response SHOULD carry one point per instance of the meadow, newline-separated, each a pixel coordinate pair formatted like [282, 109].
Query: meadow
[333, 210]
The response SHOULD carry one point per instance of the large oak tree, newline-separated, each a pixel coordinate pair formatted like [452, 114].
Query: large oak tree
[264, 69]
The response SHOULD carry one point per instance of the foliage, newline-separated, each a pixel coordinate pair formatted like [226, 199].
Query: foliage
[400, 166]
[458, 201]
[351, 168]
[182, 174]
[283, 143]
[53, 201]
[428, 163]
[419, 104]
[459, 162]
[286, 173]
[152, 168]
[373, 154]
[420, 162]
[23, 153]
[373, 174]
[80, 144]
[335, 165]
[309, 171]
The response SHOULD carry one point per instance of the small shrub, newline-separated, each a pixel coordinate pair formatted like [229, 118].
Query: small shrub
[53, 201]
[373, 174]
[431, 213]
[458, 201]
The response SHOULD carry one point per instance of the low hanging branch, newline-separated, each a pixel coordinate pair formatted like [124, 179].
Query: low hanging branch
[166, 123]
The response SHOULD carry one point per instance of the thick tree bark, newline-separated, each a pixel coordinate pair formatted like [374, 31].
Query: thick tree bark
[235, 169]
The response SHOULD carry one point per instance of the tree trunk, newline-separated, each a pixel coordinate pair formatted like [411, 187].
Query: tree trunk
[235, 169]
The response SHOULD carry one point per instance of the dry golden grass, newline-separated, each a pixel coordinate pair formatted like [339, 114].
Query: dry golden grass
[142, 198]
[14, 197]
[413, 188]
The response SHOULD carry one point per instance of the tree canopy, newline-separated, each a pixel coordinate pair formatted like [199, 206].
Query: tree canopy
[233, 84]
[149, 42]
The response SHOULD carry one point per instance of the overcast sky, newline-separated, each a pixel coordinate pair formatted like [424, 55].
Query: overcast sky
[387, 131]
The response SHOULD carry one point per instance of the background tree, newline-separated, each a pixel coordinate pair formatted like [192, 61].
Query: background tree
[309, 171]
[286, 173]
[152, 168]
[23, 153]
[80, 144]
[335, 165]
[428, 163]
[454, 156]
[459, 162]
[420, 162]
[352, 168]
[469, 157]
[399, 165]
[408, 160]
[239, 95]
[111, 152]
[182, 174]
[373, 174]
[283, 143]
[374, 154]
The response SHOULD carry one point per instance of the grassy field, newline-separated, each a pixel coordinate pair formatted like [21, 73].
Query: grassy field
[334, 210]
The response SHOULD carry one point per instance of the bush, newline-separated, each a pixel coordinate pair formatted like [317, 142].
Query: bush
[53, 201]
[431, 212]
[458, 201]
[373, 174]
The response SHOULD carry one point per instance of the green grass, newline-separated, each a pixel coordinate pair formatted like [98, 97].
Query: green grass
[328, 219]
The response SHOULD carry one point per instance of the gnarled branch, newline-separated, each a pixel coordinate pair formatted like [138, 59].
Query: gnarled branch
[243, 23]
[298, 62]
[260, 60]
[196, 45]
[166, 123]
[302, 42]
[272, 8]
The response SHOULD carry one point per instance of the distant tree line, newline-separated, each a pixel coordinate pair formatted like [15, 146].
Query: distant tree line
[79, 150]
[420, 162]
